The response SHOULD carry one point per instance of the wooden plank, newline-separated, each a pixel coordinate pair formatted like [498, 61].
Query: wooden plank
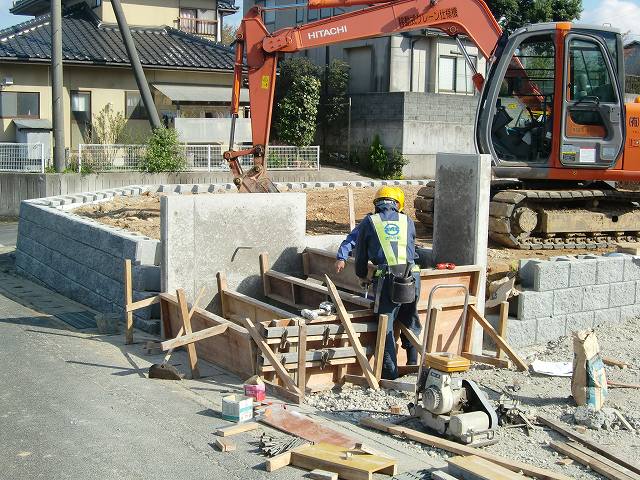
[601, 458]
[612, 362]
[267, 352]
[128, 299]
[335, 362]
[352, 209]
[384, 383]
[499, 341]
[588, 461]
[381, 337]
[318, 474]
[415, 341]
[225, 445]
[221, 279]
[496, 362]
[183, 311]
[569, 433]
[275, 390]
[612, 384]
[342, 369]
[337, 459]
[194, 337]
[295, 423]
[460, 449]
[431, 334]
[502, 325]
[319, 329]
[353, 339]
[331, 353]
[302, 358]
[237, 428]
[147, 302]
[264, 268]
[279, 461]
[231, 350]
[477, 468]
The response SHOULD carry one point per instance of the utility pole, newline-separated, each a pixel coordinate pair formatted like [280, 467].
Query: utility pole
[57, 107]
[138, 73]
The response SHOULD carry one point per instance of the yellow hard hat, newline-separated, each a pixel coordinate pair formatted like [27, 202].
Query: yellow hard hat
[392, 193]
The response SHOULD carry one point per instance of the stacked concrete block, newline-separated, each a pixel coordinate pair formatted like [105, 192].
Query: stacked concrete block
[569, 293]
[83, 259]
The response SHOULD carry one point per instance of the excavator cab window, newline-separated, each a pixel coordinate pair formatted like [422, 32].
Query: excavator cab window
[522, 122]
[592, 133]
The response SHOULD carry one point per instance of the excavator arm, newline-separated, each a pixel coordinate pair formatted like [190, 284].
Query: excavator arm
[471, 18]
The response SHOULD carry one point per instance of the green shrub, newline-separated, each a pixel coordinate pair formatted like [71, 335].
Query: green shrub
[164, 153]
[298, 111]
[382, 164]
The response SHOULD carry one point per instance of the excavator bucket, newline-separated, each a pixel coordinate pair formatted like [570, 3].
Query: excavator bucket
[256, 184]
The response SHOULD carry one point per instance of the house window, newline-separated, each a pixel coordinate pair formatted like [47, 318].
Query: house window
[188, 20]
[454, 75]
[269, 15]
[134, 108]
[19, 105]
[300, 12]
[325, 12]
[312, 14]
[81, 104]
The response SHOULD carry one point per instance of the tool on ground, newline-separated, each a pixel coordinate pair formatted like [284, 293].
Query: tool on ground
[452, 406]
[272, 445]
[323, 310]
[445, 266]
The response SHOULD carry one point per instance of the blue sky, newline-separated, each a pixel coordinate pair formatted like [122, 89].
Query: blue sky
[623, 14]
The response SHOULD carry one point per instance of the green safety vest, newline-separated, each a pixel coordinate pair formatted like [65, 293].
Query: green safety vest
[389, 231]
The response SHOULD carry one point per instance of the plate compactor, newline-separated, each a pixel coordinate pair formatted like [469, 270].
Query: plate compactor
[450, 405]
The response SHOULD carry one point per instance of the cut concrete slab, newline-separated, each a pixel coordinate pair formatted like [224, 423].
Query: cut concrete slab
[202, 235]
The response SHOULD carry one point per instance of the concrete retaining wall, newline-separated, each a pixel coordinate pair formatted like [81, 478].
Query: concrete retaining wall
[567, 293]
[16, 187]
[83, 259]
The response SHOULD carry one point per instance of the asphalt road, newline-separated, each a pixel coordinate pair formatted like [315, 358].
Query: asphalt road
[78, 405]
[8, 234]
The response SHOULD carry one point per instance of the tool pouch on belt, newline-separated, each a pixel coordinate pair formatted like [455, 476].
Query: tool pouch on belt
[403, 285]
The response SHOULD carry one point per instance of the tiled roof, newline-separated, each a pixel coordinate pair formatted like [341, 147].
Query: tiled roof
[86, 40]
[229, 5]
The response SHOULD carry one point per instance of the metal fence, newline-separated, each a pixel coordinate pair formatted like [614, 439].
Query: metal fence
[22, 157]
[114, 158]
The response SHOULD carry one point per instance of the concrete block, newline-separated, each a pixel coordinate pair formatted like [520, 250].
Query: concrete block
[550, 328]
[324, 242]
[202, 235]
[610, 270]
[622, 294]
[567, 300]
[440, 475]
[148, 251]
[631, 268]
[522, 333]
[606, 316]
[582, 272]
[579, 321]
[595, 297]
[525, 271]
[550, 276]
[146, 278]
[533, 304]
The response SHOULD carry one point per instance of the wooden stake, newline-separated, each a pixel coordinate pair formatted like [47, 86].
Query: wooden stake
[499, 341]
[353, 337]
[302, 356]
[237, 428]
[433, 320]
[225, 445]
[194, 337]
[502, 325]
[383, 321]
[264, 268]
[267, 352]
[128, 299]
[352, 210]
[222, 287]
[183, 310]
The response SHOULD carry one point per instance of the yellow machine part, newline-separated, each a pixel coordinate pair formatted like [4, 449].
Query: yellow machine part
[447, 362]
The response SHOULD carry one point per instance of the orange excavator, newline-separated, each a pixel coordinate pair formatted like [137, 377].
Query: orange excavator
[551, 114]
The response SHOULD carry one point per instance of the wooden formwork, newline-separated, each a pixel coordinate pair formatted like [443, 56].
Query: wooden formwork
[295, 355]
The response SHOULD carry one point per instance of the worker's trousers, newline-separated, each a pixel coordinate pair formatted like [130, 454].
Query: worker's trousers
[407, 313]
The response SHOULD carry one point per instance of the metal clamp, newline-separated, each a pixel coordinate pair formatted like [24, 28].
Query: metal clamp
[284, 343]
[325, 336]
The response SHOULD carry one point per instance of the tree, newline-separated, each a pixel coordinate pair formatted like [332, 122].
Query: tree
[228, 34]
[513, 14]
[335, 103]
[108, 126]
[298, 112]
[164, 153]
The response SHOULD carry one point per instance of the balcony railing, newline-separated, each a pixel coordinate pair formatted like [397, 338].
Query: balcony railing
[198, 26]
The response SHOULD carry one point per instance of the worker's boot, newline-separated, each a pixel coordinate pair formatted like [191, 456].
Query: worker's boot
[412, 355]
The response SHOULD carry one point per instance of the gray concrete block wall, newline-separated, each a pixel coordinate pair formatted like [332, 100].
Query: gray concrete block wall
[83, 259]
[568, 293]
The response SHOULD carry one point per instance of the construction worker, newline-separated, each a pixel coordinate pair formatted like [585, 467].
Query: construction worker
[348, 244]
[387, 239]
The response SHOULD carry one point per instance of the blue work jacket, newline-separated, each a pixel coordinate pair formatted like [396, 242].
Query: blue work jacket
[368, 246]
[348, 244]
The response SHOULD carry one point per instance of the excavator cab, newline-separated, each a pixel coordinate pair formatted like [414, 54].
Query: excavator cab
[553, 100]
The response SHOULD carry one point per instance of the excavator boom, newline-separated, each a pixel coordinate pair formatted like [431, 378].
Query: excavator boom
[471, 18]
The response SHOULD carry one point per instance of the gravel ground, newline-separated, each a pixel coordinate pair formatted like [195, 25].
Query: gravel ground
[538, 395]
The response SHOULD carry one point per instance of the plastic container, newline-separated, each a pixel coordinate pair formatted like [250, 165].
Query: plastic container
[257, 392]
